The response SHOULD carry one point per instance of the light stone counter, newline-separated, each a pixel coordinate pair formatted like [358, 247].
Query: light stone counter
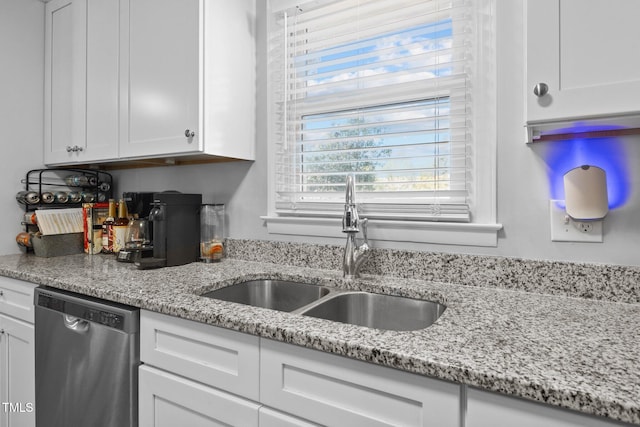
[580, 354]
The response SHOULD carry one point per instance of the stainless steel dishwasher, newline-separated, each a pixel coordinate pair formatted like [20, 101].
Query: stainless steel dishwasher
[87, 357]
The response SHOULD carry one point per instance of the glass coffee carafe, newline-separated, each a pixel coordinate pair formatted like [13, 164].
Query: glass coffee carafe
[137, 240]
[137, 236]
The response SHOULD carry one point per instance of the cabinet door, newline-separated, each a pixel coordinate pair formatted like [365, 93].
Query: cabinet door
[81, 81]
[17, 373]
[167, 400]
[161, 103]
[486, 409]
[102, 50]
[64, 81]
[333, 390]
[214, 356]
[586, 53]
[16, 299]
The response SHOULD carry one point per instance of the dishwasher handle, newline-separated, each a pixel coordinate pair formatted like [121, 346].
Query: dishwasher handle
[75, 324]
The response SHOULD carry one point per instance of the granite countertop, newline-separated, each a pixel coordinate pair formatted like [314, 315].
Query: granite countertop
[570, 352]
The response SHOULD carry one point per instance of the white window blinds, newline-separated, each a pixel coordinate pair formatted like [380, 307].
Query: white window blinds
[378, 88]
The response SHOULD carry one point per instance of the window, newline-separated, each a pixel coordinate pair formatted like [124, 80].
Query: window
[381, 89]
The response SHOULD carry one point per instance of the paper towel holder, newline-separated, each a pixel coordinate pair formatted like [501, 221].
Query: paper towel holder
[585, 189]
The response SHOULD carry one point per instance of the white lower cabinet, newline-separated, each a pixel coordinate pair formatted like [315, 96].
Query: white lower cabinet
[167, 400]
[214, 356]
[334, 390]
[203, 375]
[17, 354]
[195, 374]
[486, 409]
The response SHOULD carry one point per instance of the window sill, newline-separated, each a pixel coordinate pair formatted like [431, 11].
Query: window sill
[448, 233]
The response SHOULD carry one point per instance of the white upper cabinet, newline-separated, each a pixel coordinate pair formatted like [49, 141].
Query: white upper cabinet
[583, 55]
[59, 77]
[149, 79]
[82, 81]
[163, 86]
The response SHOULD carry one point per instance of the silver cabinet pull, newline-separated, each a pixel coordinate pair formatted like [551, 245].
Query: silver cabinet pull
[541, 89]
[189, 133]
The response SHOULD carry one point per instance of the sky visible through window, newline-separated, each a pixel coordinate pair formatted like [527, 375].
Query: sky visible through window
[397, 146]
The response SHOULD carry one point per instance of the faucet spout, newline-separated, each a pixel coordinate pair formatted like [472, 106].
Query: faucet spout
[350, 218]
[354, 255]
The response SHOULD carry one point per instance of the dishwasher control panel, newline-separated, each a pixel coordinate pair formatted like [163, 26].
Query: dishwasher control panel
[81, 311]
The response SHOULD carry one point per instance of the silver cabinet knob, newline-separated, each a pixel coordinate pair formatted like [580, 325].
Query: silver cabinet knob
[1, 293]
[69, 149]
[1, 331]
[189, 133]
[541, 89]
[78, 148]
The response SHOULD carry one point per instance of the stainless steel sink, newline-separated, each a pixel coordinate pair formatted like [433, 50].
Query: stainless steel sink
[273, 294]
[377, 311]
[357, 308]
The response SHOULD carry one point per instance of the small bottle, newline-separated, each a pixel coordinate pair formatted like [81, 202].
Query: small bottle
[120, 226]
[107, 228]
[47, 197]
[21, 197]
[75, 197]
[25, 239]
[28, 197]
[88, 196]
[61, 197]
[30, 218]
[76, 181]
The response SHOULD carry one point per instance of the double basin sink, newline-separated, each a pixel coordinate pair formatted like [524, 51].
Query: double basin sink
[353, 307]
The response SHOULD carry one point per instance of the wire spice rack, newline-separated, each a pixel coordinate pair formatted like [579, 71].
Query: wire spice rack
[65, 187]
[61, 188]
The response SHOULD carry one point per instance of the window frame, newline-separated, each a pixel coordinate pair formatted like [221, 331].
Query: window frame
[483, 228]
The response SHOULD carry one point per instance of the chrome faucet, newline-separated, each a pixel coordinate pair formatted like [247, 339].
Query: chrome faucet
[354, 256]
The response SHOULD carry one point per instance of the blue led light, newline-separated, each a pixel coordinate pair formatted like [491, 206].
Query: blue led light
[607, 153]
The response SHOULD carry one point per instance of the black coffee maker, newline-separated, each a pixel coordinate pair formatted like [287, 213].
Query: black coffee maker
[138, 203]
[175, 218]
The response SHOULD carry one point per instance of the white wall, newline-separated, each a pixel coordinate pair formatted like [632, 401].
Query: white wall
[523, 191]
[21, 107]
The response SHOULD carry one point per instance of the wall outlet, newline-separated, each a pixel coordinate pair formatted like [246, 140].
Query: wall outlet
[565, 229]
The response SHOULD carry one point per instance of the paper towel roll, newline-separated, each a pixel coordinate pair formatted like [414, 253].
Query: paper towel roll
[585, 191]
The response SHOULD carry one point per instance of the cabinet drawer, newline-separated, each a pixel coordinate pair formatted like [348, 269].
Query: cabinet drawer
[488, 409]
[218, 357]
[271, 418]
[334, 390]
[16, 298]
[167, 400]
